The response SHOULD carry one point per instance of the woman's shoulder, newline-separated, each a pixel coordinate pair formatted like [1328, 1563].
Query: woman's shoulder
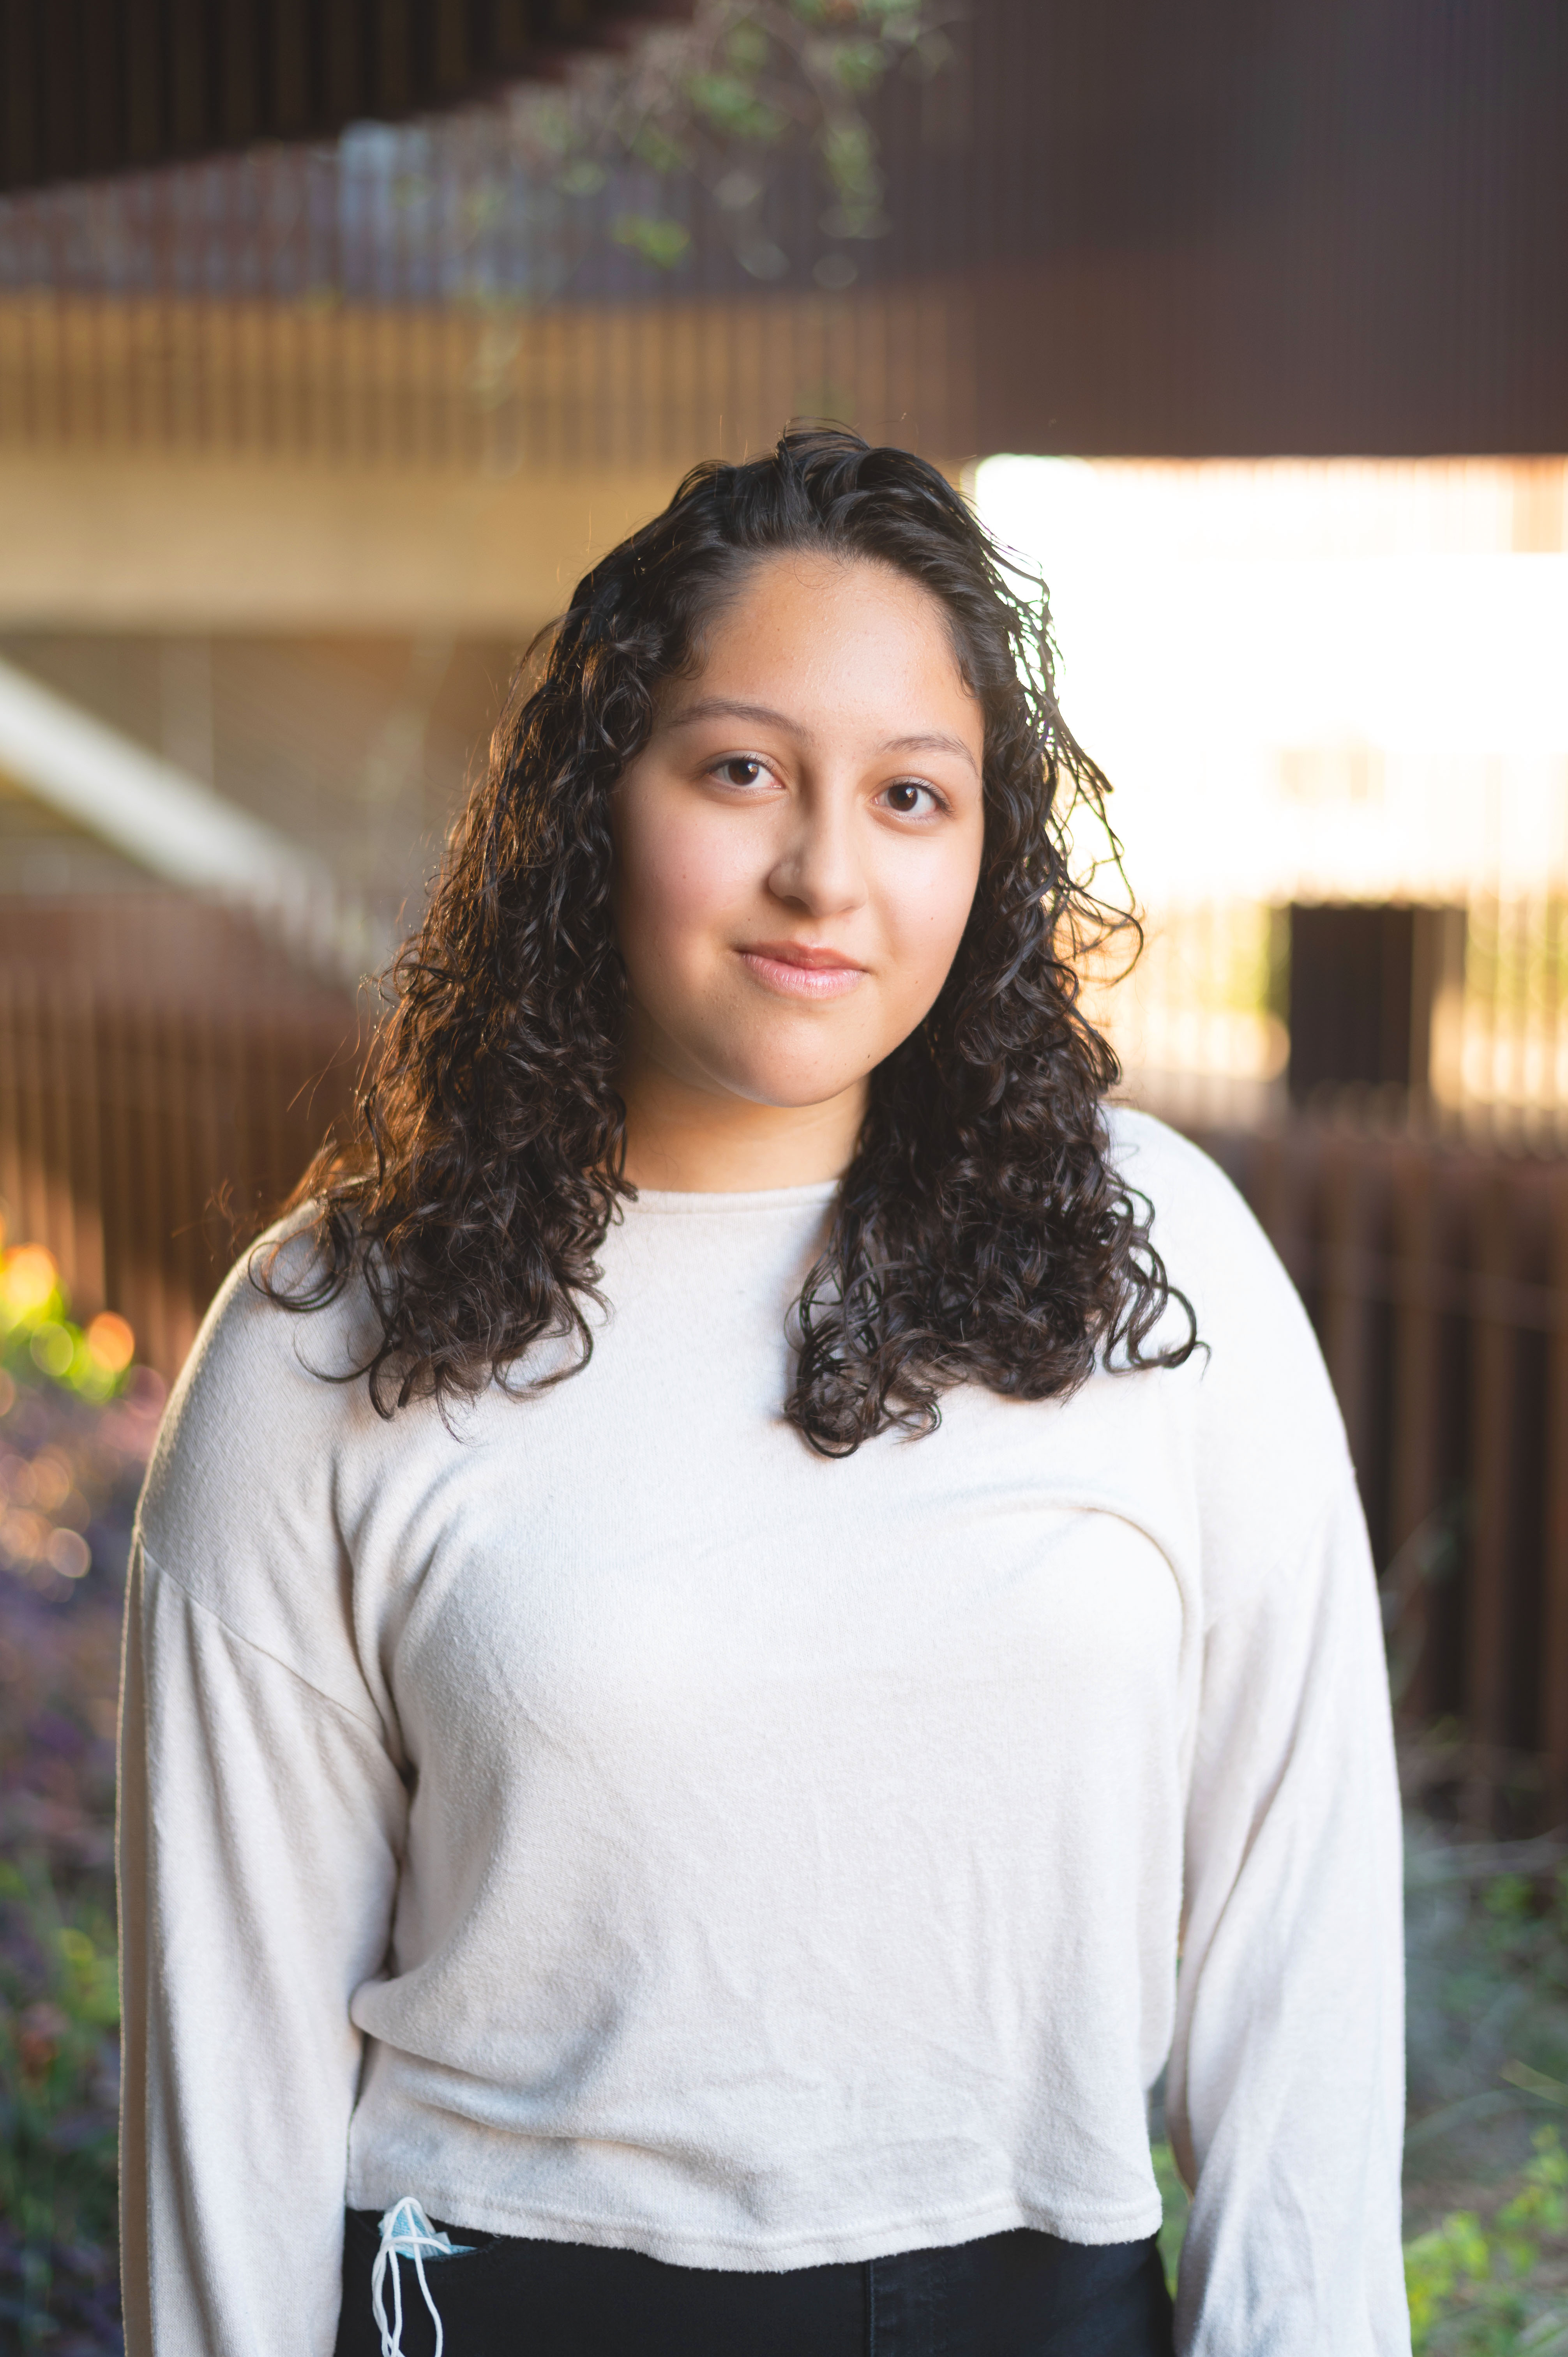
[1268, 1450]
[267, 1399]
[1178, 1178]
[276, 1327]
[269, 1448]
[1196, 1210]
[1260, 1361]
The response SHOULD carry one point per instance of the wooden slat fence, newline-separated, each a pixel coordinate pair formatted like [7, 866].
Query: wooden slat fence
[136, 1143]
[662, 381]
[1437, 1280]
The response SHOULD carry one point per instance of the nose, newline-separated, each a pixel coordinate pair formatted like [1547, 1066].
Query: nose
[818, 868]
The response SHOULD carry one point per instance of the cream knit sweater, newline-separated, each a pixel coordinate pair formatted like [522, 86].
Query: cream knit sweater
[611, 1821]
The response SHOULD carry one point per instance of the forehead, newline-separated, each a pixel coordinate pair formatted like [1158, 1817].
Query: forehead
[836, 627]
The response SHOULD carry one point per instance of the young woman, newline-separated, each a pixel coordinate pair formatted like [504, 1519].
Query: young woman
[720, 1667]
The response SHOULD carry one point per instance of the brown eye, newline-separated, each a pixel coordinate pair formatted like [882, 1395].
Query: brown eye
[904, 798]
[741, 771]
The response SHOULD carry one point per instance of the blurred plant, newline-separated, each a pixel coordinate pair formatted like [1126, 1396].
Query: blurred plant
[1469, 2284]
[1475, 2286]
[77, 1423]
[46, 1511]
[59, 2071]
[1487, 1950]
[1175, 2203]
[710, 102]
[34, 1322]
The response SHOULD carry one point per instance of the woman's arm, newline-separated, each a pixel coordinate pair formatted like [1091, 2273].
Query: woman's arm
[1288, 2071]
[259, 1833]
[1285, 2090]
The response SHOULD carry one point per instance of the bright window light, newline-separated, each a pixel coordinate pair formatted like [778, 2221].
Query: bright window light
[1305, 679]
[1311, 680]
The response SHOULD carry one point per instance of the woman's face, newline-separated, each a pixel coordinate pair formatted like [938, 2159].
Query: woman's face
[799, 843]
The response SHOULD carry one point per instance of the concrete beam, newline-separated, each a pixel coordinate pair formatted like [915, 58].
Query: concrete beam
[104, 540]
[178, 829]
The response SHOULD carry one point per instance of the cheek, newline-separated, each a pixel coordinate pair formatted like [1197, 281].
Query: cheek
[927, 917]
[678, 876]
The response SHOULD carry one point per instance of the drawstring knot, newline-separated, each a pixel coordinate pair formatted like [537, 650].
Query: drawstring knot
[407, 2233]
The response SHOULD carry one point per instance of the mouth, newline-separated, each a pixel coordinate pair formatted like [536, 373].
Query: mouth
[794, 969]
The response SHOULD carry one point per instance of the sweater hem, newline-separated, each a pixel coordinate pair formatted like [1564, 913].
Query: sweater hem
[741, 2254]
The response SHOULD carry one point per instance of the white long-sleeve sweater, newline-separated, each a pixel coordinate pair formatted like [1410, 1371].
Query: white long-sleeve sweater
[613, 1823]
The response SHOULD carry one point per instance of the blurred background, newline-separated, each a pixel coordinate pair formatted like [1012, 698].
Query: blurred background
[336, 339]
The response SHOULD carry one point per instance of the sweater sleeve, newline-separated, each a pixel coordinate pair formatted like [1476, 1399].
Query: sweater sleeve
[259, 1833]
[1286, 2074]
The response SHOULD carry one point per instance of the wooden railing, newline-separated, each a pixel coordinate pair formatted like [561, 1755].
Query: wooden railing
[659, 382]
[163, 1079]
[136, 1147]
[1437, 1280]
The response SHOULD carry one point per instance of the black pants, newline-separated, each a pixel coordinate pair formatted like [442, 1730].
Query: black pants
[1018, 2295]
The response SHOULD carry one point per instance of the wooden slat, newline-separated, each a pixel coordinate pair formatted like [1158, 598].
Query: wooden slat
[82, 1079]
[1414, 1485]
[1347, 1242]
[118, 1131]
[1492, 1417]
[10, 1115]
[1554, 1600]
[110, 1025]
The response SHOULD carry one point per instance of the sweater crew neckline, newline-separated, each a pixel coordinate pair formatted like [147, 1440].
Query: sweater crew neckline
[811, 1196]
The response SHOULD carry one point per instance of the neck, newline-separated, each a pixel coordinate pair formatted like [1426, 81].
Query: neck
[692, 1140]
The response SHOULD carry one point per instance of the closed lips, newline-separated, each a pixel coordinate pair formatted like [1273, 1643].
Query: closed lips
[796, 972]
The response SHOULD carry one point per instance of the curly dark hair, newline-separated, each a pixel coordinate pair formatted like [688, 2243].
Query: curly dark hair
[980, 1232]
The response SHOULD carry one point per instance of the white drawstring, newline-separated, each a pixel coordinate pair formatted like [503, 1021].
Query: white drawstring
[407, 2233]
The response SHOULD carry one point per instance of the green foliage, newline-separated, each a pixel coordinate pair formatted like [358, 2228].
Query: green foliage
[746, 48]
[663, 243]
[858, 66]
[72, 1459]
[733, 105]
[58, 2058]
[59, 2091]
[583, 176]
[848, 152]
[1469, 2283]
[1175, 2204]
[652, 145]
[713, 99]
[1437, 2264]
[1486, 1947]
[899, 22]
[36, 1331]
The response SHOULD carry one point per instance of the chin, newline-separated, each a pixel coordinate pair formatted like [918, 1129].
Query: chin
[790, 1090]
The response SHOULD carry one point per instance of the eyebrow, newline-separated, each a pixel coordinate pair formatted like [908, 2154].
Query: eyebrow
[722, 708]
